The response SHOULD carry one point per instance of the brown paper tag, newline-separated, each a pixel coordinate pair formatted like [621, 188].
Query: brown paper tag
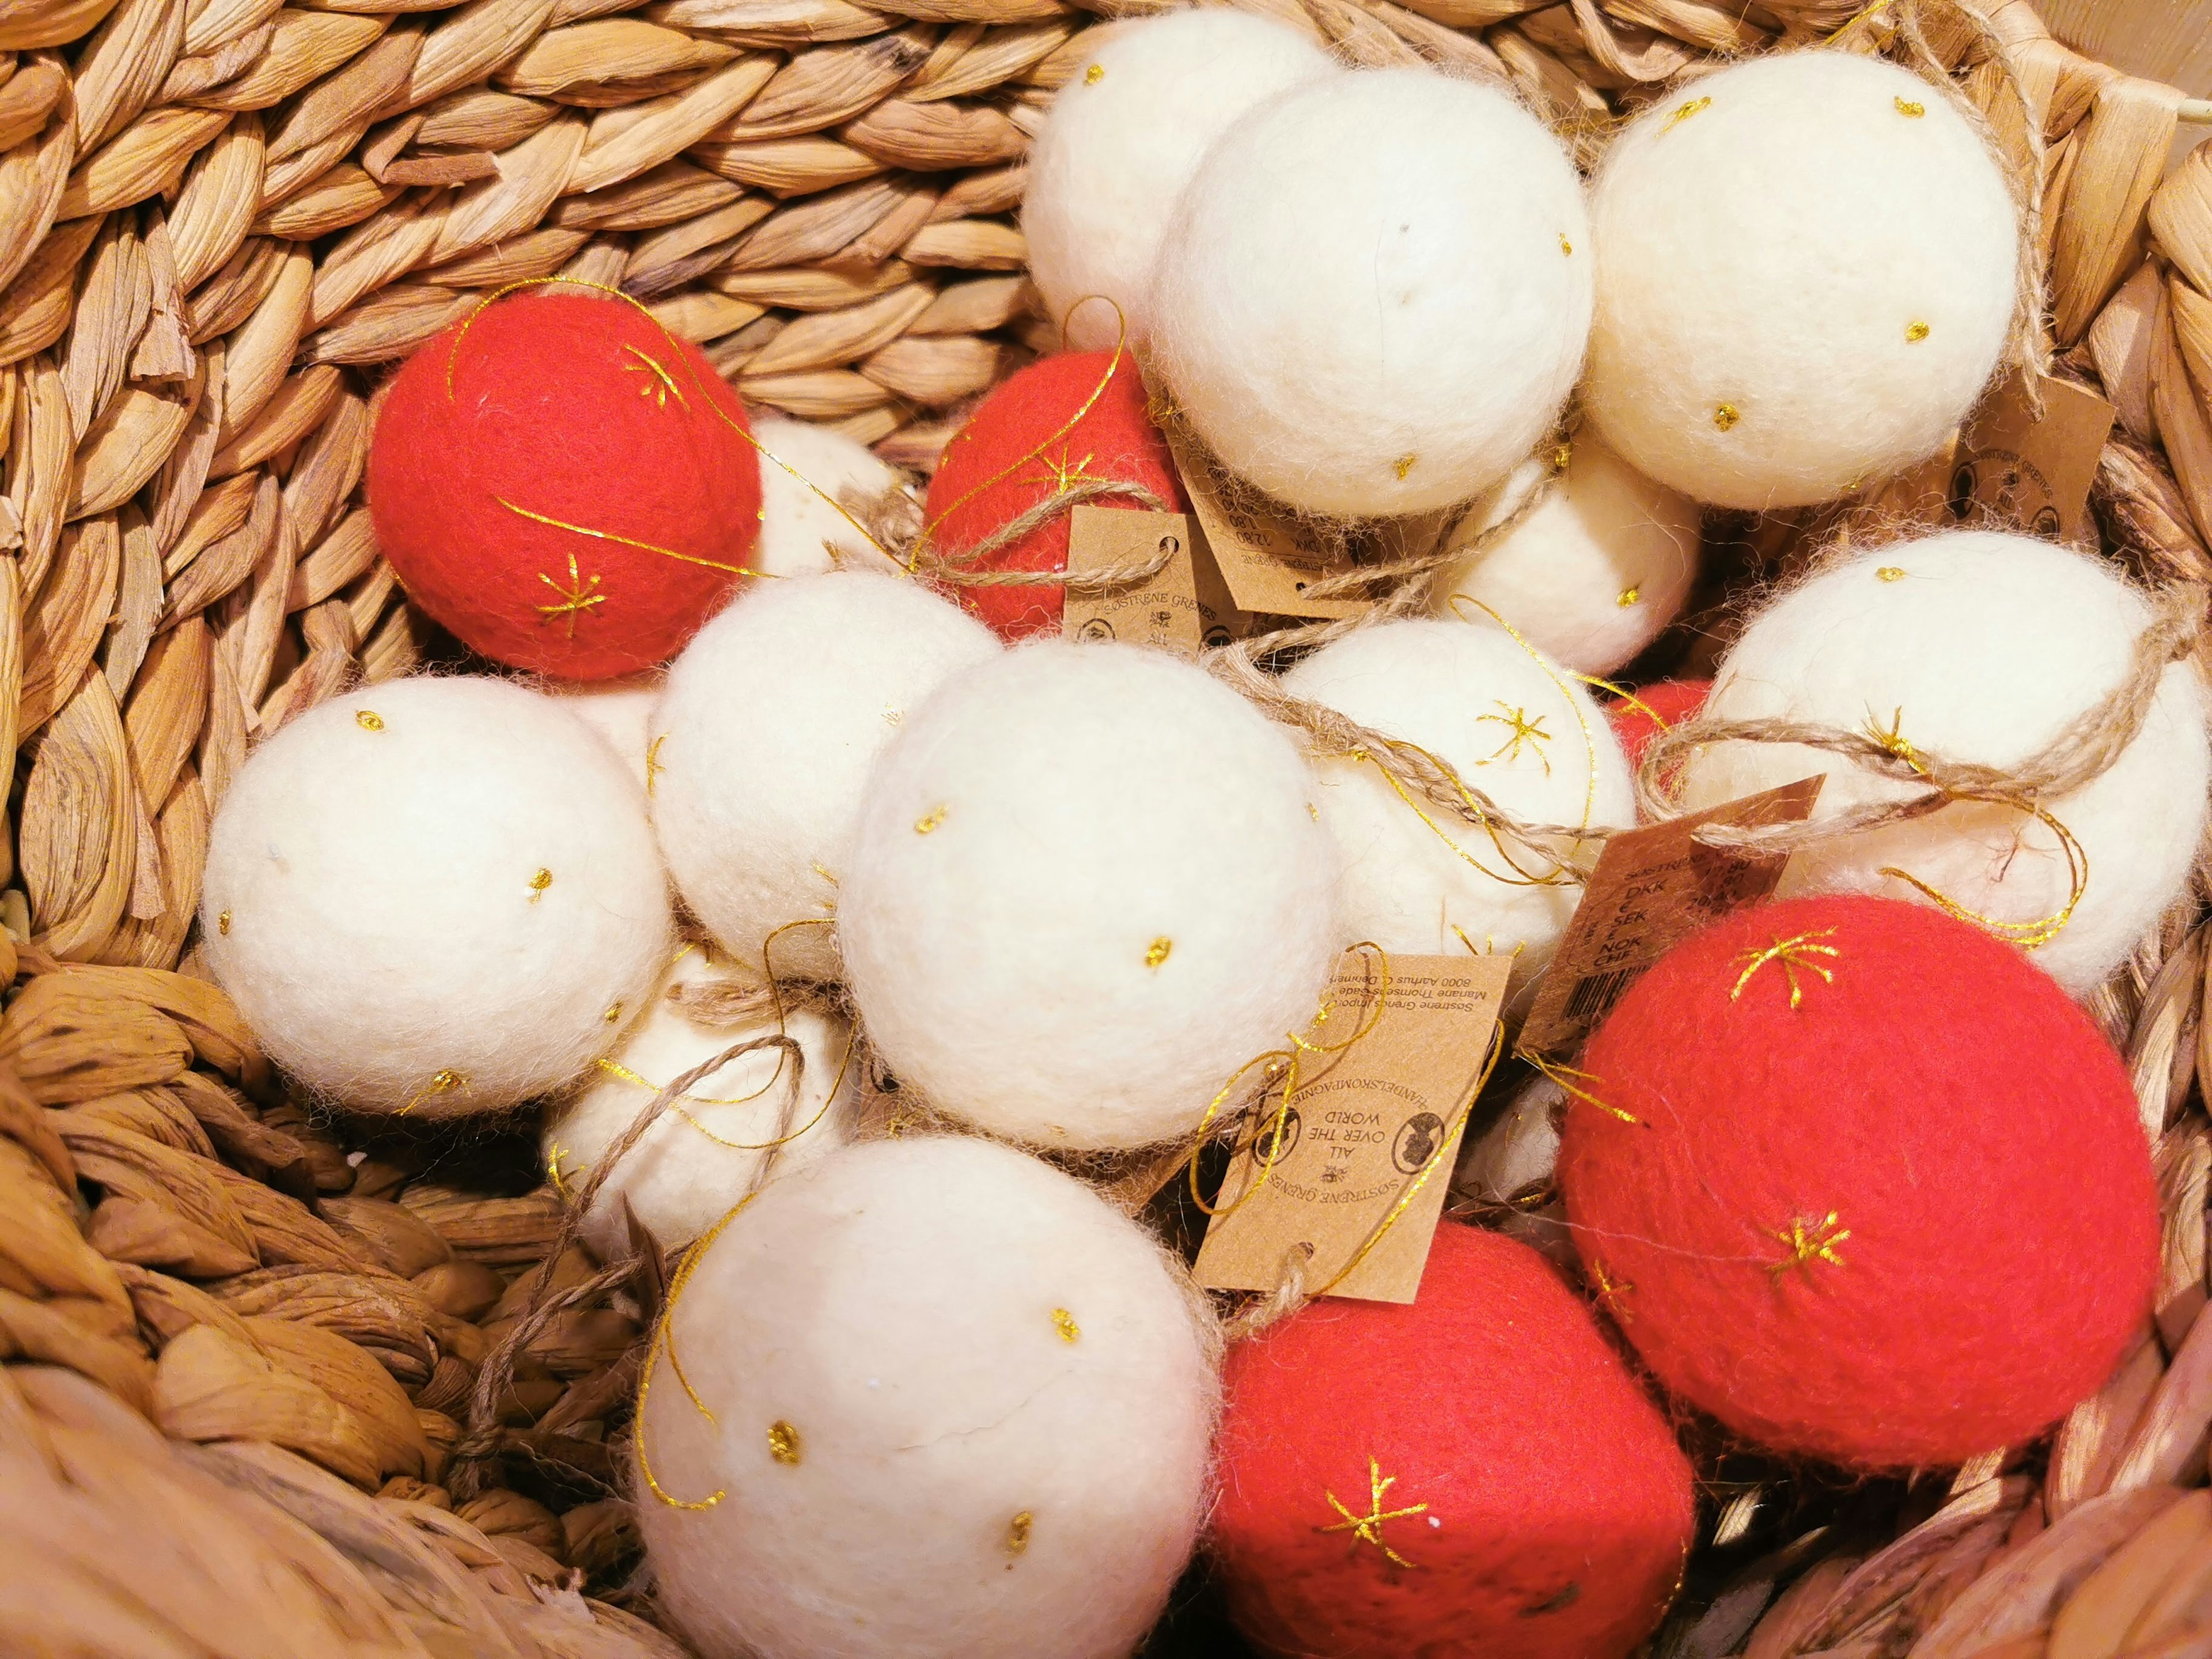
[1267, 558]
[1162, 613]
[1218, 613]
[1652, 889]
[2034, 474]
[1366, 1144]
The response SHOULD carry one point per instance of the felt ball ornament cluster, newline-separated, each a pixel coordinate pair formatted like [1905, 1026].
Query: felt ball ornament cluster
[764, 1112]
[1591, 570]
[1073, 423]
[960, 1406]
[1806, 272]
[762, 744]
[1980, 648]
[1088, 885]
[1122, 140]
[565, 485]
[434, 896]
[1375, 292]
[1512, 724]
[1476, 1473]
[1861, 1184]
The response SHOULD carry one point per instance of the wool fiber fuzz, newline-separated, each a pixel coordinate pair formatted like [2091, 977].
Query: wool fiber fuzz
[1596, 569]
[1066, 420]
[618, 710]
[428, 897]
[960, 1411]
[1885, 1198]
[1088, 885]
[1375, 292]
[708, 1148]
[1806, 275]
[761, 742]
[1124, 137]
[1528, 1500]
[1511, 724]
[565, 485]
[801, 533]
[1984, 647]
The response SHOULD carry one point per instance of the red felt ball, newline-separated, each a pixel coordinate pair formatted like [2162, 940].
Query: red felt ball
[565, 485]
[1663, 706]
[1885, 1199]
[1018, 449]
[1535, 1504]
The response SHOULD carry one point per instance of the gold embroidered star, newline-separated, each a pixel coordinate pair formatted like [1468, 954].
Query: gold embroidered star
[1520, 731]
[1792, 953]
[1809, 1241]
[1368, 1529]
[659, 385]
[1610, 1291]
[1062, 475]
[572, 600]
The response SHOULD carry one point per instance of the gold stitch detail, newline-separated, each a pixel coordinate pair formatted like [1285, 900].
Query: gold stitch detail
[1910, 109]
[1809, 1241]
[369, 721]
[1094, 74]
[929, 822]
[1612, 1292]
[1563, 457]
[1629, 596]
[553, 1172]
[1064, 1322]
[1017, 1533]
[1566, 247]
[538, 884]
[1894, 741]
[443, 1081]
[572, 600]
[1694, 106]
[624, 541]
[613, 1014]
[1063, 475]
[660, 386]
[1559, 1074]
[1403, 464]
[1726, 417]
[1368, 1529]
[1915, 332]
[783, 1442]
[1891, 573]
[1157, 952]
[1520, 731]
[653, 769]
[222, 924]
[1792, 954]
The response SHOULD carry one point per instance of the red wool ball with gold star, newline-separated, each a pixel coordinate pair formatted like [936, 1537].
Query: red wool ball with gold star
[1866, 1185]
[1061, 433]
[565, 485]
[1474, 1476]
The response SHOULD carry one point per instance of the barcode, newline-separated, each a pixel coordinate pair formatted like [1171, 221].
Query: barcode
[1593, 998]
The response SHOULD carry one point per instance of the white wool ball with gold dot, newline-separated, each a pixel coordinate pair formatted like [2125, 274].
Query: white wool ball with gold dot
[950, 1404]
[1087, 885]
[763, 1113]
[1806, 270]
[1981, 648]
[1591, 572]
[1375, 292]
[426, 896]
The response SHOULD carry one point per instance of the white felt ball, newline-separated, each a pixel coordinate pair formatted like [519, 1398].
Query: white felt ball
[762, 739]
[1515, 726]
[1806, 275]
[618, 710]
[1975, 647]
[755, 1115]
[961, 1410]
[428, 896]
[1122, 140]
[819, 507]
[1593, 572]
[1088, 886]
[1375, 292]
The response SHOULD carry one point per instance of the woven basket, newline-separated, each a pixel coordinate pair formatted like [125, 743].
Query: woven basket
[241, 1341]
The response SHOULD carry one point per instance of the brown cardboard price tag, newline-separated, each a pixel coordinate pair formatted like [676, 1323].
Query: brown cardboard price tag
[1652, 889]
[1163, 611]
[2030, 472]
[1351, 1172]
